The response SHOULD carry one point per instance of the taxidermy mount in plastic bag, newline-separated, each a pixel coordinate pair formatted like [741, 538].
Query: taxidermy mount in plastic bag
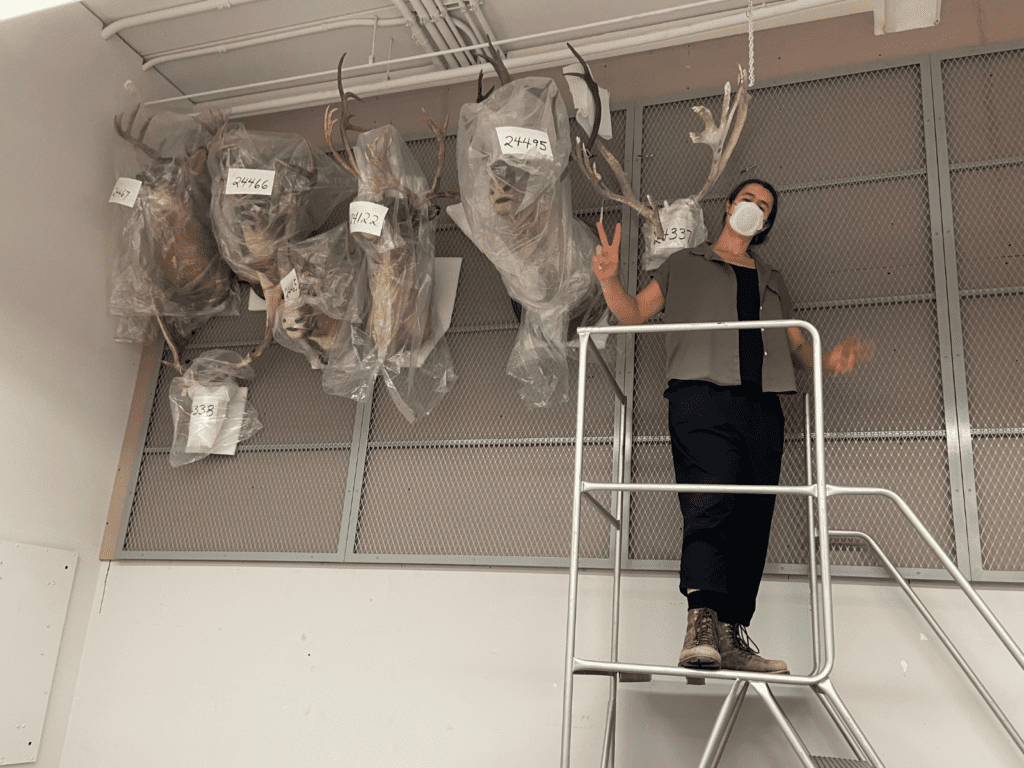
[513, 158]
[271, 191]
[168, 267]
[394, 330]
[210, 411]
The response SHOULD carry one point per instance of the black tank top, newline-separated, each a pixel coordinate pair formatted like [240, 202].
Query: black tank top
[748, 307]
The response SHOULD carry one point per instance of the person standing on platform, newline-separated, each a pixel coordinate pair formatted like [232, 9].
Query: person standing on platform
[725, 420]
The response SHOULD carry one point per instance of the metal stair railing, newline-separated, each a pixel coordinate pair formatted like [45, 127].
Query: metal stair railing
[819, 534]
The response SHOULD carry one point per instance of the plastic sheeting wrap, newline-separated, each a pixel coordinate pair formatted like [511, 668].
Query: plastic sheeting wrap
[270, 191]
[513, 156]
[168, 264]
[318, 296]
[683, 222]
[210, 412]
[395, 331]
[251, 225]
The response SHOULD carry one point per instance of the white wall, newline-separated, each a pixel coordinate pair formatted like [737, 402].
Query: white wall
[269, 665]
[264, 665]
[65, 386]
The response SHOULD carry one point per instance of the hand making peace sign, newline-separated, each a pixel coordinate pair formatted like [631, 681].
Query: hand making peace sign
[606, 257]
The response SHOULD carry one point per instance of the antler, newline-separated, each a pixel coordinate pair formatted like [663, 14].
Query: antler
[494, 59]
[439, 132]
[626, 196]
[720, 138]
[345, 125]
[595, 94]
[584, 157]
[126, 133]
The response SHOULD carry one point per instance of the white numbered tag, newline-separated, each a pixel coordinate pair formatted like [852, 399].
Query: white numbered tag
[126, 192]
[683, 222]
[290, 286]
[249, 181]
[523, 141]
[367, 217]
[209, 407]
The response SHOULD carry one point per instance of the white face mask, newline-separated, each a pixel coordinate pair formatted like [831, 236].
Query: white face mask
[747, 219]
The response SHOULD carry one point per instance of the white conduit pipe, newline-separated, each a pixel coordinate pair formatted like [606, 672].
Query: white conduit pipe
[477, 36]
[443, 22]
[488, 32]
[270, 37]
[269, 84]
[424, 21]
[549, 59]
[467, 31]
[417, 32]
[339, 23]
[169, 13]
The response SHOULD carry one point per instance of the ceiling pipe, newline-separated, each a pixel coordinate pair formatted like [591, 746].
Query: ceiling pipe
[488, 32]
[417, 33]
[440, 18]
[435, 34]
[467, 31]
[726, 24]
[286, 33]
[477, 36]
[169, 13]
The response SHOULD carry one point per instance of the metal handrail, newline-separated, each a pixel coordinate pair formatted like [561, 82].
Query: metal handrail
[939, 632]
[821, 622]
[817, 489]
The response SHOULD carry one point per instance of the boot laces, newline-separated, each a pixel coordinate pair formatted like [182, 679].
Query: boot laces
[742, 640]
[705, 627]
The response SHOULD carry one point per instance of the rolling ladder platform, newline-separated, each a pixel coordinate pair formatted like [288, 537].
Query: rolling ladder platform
[823, 637]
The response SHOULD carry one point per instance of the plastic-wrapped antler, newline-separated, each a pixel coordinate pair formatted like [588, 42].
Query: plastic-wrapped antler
[169, 266]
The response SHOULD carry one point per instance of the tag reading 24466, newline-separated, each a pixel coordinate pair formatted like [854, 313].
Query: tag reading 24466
[249, 181]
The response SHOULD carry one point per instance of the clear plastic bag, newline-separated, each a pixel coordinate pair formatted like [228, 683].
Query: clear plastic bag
[168, 264]
[513, 156]
[251, 227]
[683, 222]
[210, 412]
[316, 307]
[394, 329]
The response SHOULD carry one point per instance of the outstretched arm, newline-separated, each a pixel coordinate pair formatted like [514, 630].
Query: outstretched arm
[630, 310]
[840, 359]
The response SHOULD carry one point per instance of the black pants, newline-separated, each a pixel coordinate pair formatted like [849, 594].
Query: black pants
[724, 435]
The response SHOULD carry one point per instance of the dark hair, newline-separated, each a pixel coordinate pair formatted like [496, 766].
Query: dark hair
[760, 237]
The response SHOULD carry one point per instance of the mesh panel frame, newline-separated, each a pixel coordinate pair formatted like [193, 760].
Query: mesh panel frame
[856, 239]
[983, 170]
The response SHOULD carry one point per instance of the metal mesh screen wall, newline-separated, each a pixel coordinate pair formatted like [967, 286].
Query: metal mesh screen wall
[853, 237]
[897, 219]
[984, 168]
[247, 504]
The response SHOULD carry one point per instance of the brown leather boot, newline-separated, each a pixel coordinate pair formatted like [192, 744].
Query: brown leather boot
[739, 652]
[700, 648]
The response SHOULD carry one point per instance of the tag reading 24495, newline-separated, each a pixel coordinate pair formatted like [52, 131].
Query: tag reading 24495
[523, 141]
[249, 181]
